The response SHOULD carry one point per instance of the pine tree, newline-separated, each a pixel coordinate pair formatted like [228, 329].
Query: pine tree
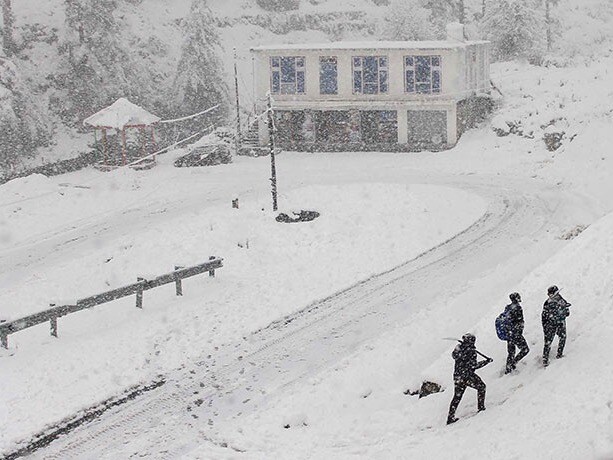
[7, 31]
[23, 127]
[98, 68]
[444, 12]
[515, 28]
[409, 20]
[199, 82]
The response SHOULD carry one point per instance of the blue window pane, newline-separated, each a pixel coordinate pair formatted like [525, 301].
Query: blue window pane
[422, 88]
[383, 81]
[275, 62]
[409, 61]
[371, 88]
[383, 62]
[387, 115]
[300, 82]
[300, 62]
[357, 62]
[275, 82]
[422, 68]
[436, 81]
[410, 81]
[288, 70]
[436, 61]
[370, 70]
[357, 82]
[328, 77]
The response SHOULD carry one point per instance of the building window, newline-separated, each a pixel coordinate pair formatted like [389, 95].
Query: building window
[328, 75]
[427, 128]
[422, 74]
[370, 74]
[379, 127]
[287, 75]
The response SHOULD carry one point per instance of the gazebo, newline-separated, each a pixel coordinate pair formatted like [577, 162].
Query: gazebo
[121, 115]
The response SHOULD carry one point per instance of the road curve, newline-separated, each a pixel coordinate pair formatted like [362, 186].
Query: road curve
[172, 419]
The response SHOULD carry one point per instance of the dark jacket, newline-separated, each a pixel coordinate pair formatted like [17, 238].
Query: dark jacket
[516, 319]
[465, 356]
[555, 311]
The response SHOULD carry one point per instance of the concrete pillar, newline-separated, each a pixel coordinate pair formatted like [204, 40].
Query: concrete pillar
[452, 125]
[403, 125]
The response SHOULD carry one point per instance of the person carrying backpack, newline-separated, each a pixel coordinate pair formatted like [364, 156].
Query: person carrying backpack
[465, 356]
[555, 311]
[514, 325]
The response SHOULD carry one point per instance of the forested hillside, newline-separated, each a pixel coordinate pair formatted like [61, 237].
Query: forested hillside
[68, 58]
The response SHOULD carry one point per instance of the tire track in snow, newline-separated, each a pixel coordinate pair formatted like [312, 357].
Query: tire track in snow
[289, 349]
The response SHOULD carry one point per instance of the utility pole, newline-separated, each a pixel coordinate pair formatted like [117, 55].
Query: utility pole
[271, 144]
[7, 14]
[238, 107]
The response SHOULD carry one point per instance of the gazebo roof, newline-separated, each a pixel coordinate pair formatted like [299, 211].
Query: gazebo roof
[121, 114]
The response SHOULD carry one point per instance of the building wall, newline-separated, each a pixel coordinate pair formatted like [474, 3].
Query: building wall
[464, 72]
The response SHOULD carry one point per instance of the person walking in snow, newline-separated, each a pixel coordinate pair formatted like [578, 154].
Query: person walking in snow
[555, 311]
[515, 332]
[465, 356]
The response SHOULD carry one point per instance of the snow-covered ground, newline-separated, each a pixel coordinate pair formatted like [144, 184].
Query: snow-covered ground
[77, 234]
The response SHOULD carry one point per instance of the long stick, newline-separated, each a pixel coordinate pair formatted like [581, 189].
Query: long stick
[458, 340]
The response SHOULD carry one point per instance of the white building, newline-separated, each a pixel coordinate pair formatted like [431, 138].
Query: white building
[373, 95]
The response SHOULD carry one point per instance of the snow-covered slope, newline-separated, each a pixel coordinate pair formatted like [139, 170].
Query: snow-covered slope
[89, 231]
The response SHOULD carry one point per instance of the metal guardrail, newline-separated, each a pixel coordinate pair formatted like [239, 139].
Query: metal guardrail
[142, 285]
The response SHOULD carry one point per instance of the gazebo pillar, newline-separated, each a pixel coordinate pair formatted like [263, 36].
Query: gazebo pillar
[123, 146]
[154, 144]
[104, 146]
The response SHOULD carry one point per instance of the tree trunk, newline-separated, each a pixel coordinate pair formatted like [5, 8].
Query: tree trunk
[548, 22]
[7, 15]
[461, 12]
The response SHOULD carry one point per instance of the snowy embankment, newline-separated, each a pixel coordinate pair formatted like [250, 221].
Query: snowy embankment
[358, 410]
[270, 270]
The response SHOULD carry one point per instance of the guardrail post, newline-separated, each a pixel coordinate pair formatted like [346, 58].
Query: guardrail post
[5, 341]
[139, 294]
[53, 323]
[212, 272]
[178, 285]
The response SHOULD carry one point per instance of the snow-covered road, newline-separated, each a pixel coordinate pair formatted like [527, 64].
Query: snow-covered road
[197, 404]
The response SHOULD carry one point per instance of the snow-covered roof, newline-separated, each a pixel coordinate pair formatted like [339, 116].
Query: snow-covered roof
[121, 114]
[386, 45]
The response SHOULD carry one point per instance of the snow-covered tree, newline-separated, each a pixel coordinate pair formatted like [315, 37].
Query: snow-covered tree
[515, 28]
[444, 12]
[97, 66]
[7, 29]
[22, 125]
[200, 82]
[409, 20]
[550, 22]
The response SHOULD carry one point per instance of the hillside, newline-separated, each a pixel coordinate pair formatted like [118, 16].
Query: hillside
[151, 33]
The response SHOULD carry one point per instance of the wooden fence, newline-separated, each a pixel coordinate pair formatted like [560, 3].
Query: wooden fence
[141, 285]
